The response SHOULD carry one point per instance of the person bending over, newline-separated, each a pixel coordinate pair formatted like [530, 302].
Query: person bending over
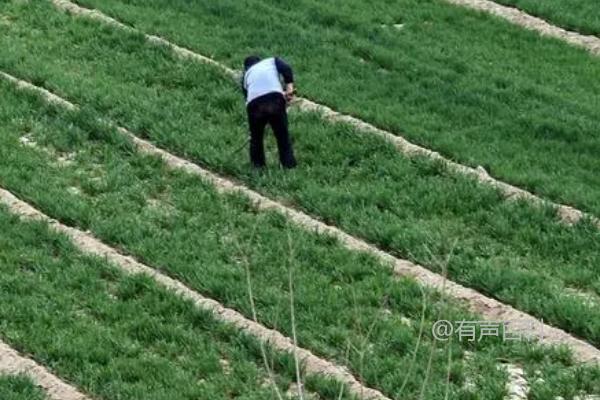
[266, 102]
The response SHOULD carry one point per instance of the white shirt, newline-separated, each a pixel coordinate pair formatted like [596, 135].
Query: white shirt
[262, 78]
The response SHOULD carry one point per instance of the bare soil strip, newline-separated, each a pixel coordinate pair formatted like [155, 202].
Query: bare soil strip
[521, 18]
[567, 214]
[492, 310]
[516, 386]
[12, 363]
[312, 364]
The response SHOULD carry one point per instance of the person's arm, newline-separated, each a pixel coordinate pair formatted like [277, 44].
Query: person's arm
[287, 73]
[243, 86]
[285, 70]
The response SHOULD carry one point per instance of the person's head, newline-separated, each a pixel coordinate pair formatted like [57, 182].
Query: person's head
[250, 61]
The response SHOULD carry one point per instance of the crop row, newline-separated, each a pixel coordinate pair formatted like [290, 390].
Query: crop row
[19, 388]
[578, 15]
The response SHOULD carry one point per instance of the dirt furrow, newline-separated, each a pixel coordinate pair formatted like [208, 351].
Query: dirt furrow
[517, 386]
[492, 310]
[312, 364]
[566, 213]
[521, 18]
[12, 363]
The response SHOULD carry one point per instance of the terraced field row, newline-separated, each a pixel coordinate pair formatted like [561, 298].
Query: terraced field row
[577, 15]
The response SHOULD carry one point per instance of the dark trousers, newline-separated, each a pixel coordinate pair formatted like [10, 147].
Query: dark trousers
[269, 109]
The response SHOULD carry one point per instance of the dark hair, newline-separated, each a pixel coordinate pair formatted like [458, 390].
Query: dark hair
[250, 61]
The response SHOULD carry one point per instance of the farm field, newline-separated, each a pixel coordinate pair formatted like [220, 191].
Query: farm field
[208, 259]
[120, 336]
[578, 15]
[162, 208]
[413, 208]
[508, 101]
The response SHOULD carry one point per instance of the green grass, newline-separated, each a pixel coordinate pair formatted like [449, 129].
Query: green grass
[19, 388]
[177, 223]
[412, 208]
[118, 337]
[579, 15]
[474, 87]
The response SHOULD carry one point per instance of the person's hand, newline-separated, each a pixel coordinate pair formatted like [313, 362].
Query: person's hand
[290, 92]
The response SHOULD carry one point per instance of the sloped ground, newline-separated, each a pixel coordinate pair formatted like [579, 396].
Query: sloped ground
[349, 308]
[513, 251]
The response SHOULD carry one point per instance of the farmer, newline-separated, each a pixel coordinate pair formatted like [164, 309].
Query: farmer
[266, 103]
